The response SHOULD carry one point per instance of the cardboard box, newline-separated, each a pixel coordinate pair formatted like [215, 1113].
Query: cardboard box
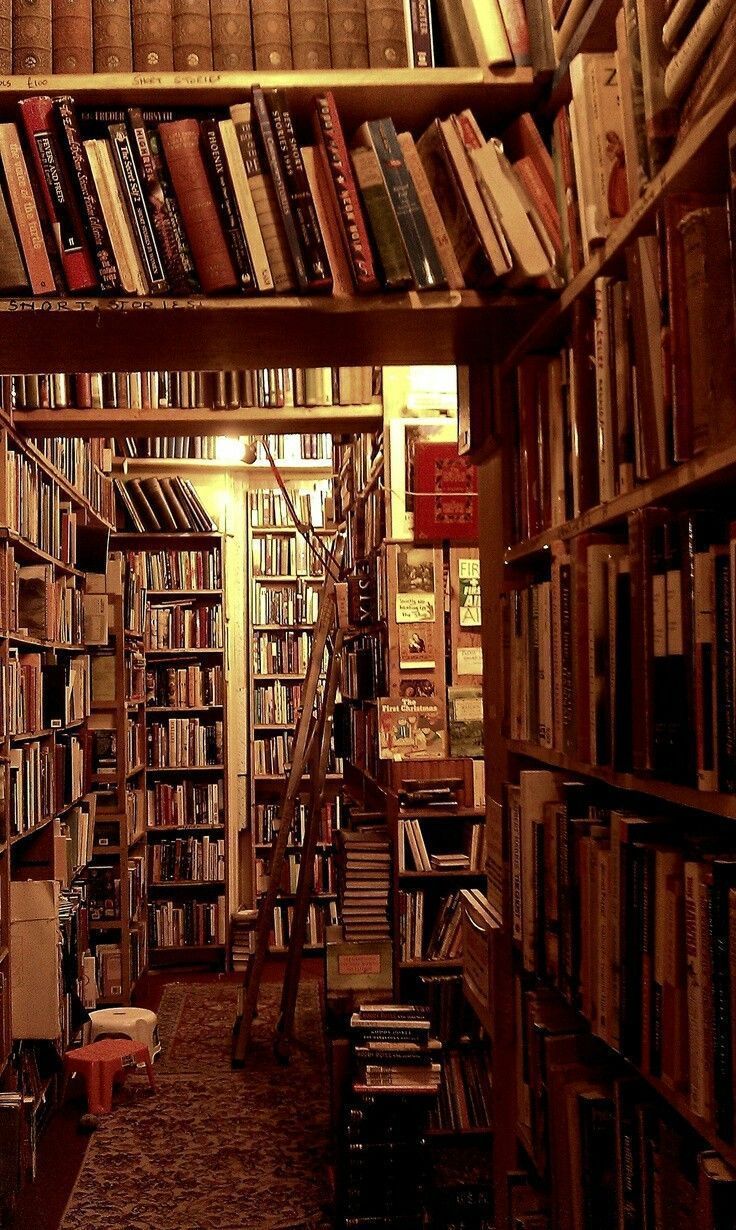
[34, 966]
[357, 965]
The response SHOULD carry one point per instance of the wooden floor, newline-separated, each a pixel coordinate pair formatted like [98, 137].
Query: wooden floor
[62, 1148]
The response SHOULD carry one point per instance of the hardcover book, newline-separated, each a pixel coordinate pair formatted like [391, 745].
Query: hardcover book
[446, 500]
[410, 729]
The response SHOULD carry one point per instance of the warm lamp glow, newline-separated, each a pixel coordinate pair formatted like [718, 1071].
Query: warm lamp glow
[229, 448]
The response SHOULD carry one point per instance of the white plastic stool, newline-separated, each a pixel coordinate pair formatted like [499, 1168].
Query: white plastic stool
[138, 1024]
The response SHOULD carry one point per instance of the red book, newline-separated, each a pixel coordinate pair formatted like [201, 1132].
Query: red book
[345, 195]
[201, 217]
[522, 139]
[446, 494]
[517, 31]
[59, 201]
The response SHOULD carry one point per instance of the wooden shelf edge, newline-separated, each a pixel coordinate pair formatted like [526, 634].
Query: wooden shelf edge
[719, 463]
[203, 421]
[723, 805]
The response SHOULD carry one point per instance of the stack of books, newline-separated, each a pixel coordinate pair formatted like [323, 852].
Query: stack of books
[364, 883]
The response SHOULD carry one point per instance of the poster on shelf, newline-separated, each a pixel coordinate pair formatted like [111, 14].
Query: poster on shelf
[469, 592]
[411, 729]
[415, 600]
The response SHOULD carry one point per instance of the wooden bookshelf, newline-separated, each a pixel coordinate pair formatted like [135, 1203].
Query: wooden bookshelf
[176, 422]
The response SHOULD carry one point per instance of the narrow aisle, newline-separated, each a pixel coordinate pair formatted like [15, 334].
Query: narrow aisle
[213, 1149]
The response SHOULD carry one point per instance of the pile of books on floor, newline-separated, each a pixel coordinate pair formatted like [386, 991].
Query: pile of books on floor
[383, 1160]
[148, 202]
[364, 883]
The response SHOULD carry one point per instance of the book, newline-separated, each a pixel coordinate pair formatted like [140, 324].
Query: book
[71, 141]
[430, 209]
[232, 36]
[386, 32]
[395, 270]
[161, 205]
[180, 141]
[445, 498]
[465, 721]
[444, 180]
[348, 34]
[32, 36]
[310, 33]
[153, 35]
[22, 205]
[265, 201]
[191, 34]
[71, 36]
[271, 34]
[112, 36]
[12, 270]
[345, 196]
[410, 729]
[221, 182]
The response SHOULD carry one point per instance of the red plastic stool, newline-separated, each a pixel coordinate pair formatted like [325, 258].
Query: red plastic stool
[100, 1064]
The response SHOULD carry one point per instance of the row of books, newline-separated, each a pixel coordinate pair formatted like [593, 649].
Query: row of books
[321, 914]
[660, 389]
[286, 605]
[48, 607]
[177, 568]
[269, 387]
[623, 656]
[134, 741]
[136, 884]
[271, 755]
[103, 892]
[286, 448]
[35, 507]
[109, 971]
[420, 940]
[412, 835]
[323, 880]
[276, 703]
[363, 860]
[269, 510]
[161, 504]
[188, 858]
[613, 1152]
[281, 653]
[286, 555]
[307, 446]
[630, 917]
[464, 1097]
[241, 35]
[39, 695]
[184, 742]
[181, 804]
[193, 924]
[134, 592]
[31, 787]
[186, 624]
[173, 203]
[266, 817]
[183, 687]
[450, 1015]
[135, 812]
[82, 464]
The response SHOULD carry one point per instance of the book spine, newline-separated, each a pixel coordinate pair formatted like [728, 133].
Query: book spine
[265, 202]
[107, 271]
[345, 195]
[304, 215]
[517, 31]
[271, 34]
[232, 37]
[422, 34]
[278, 180]
[310, 34]
[225, 197]
[191, 35]
[182, 273]
[721, 1006]
[386, 34]
[25, 212]
[384, 227]
[37, 115]
[424, 262]
[725, 708]
[180, 140]
[178, 277]
[153, 36]
[6, 36]
[136, 207]
[71, 36]
[430, 208]
[12, 271]
[112, 36]
[348, 34]
[32, 36]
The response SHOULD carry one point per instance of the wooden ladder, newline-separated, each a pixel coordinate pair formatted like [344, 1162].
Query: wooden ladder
[309, 753]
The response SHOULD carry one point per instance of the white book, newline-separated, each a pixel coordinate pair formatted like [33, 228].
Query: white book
[499, 190]
[600, 144]
[246, 208]
[685, 62]
[116, 220]
[487, 32]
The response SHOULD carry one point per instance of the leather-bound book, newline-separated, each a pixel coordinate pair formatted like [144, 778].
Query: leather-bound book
[310, 33]
[12, 271]
[232, 37]
[32, 36]
[59, 202]
[113, 42]
[271, 34]
[348, 34]
[222, 184]
[6, 36]
[153, 37]
[71, 36]
[386, 34]
[180, 140]
[192, 35]
[24, 210]
[71, 143]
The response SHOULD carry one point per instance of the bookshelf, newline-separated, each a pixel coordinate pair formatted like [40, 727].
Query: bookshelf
[521, 996]
[184, 764]
[285, 580]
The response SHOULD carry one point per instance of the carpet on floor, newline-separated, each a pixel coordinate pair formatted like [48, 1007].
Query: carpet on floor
[214, 1149]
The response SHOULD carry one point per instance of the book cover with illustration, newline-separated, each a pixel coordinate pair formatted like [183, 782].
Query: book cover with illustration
[411, 729]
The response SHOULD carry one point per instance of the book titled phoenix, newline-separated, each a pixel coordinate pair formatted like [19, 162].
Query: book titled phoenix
[410, 729]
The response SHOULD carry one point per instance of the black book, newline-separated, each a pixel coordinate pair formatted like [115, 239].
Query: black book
[135, 206]
[307, 232]
[161, 203]
[97, 233]
[270, 148]
[224, 193]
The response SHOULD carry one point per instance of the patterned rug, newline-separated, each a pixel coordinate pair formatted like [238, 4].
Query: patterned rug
[214, 1149]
